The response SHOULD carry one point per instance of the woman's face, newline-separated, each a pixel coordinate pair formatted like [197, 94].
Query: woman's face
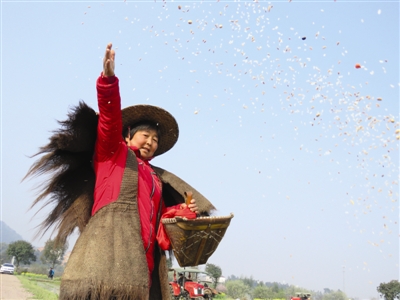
[146, 141]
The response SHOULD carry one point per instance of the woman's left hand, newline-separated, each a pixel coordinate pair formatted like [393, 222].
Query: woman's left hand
[192, 206]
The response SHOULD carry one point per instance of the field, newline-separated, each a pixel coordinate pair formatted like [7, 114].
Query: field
[40, 286]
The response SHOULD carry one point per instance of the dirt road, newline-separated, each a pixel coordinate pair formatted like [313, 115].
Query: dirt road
[11, 288]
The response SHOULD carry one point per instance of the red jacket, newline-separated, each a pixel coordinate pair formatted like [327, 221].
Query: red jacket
[109, 163]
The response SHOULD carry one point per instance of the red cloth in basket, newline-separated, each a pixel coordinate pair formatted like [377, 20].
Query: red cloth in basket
[162, 237]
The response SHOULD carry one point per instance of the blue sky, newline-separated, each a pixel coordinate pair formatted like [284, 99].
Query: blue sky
[276, 124]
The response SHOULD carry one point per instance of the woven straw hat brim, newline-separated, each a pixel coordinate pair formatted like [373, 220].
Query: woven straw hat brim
[166, 123]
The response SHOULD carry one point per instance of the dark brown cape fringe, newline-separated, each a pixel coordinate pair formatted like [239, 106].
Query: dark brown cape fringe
[68, 162]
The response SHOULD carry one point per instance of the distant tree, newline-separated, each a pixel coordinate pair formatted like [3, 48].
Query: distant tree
[22, 251]
[317, 296]
[339, 295]
[249, 281]
[262, 292]
[279, 295]
[4, 257]
[215, 272]
[237, 289]
[38, 253]
[53, 254]
[275, 288]
[290, 291]
[232, 277]
[390, 290]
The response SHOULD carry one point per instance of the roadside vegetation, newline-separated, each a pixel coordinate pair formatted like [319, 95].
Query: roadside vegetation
[40, 286]
[245, 288]
[32, 267]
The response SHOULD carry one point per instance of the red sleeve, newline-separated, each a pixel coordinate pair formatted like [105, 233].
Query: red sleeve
[109, 129]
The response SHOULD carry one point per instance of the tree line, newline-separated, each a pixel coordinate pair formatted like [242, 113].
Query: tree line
[25, 254]
[248, 288]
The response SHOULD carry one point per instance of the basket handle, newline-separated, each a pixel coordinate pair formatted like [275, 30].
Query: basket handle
[188, 197]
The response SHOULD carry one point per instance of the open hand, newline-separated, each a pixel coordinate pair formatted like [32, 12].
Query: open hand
[109, 61]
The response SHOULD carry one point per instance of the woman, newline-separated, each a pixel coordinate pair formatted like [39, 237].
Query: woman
[117, 255]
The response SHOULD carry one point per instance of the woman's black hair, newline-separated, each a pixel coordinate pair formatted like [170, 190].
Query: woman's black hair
[143, 125]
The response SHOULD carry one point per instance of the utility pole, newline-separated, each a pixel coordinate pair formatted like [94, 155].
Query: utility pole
[344, 290]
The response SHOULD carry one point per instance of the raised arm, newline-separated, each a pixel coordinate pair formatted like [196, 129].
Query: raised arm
[109, 130]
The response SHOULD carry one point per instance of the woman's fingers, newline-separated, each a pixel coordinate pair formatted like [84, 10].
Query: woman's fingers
[112, 54]
[108, 61]
[193, 206]
[108, 49]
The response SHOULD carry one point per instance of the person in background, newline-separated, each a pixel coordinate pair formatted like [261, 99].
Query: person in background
[51, 273]
[181, 279]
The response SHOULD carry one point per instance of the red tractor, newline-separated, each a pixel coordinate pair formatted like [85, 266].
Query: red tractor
[186, 286]
[301, 296]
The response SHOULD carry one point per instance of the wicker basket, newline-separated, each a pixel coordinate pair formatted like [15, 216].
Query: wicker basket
[194, 241]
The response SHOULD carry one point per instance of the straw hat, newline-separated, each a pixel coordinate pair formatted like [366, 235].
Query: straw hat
[166, 123]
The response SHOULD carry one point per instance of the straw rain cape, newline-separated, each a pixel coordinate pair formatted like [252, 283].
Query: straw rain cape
[108, 259]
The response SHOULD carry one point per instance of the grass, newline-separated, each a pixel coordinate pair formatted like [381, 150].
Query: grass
[40, 286]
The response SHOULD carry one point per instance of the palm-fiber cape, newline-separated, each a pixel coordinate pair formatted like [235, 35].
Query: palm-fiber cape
[108, 260]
